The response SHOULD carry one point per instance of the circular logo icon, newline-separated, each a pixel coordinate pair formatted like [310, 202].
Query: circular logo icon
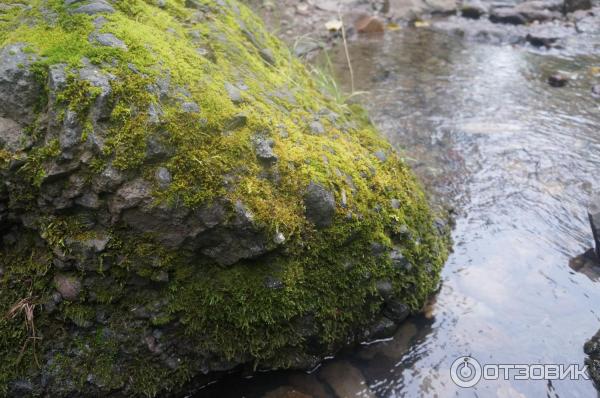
[465, 372]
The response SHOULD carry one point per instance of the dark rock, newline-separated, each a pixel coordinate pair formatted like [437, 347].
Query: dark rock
[89, 200]
[381, 155]
[316, 127]
[236, 240]
[94, 7]
[108, 180]
[507, 15]
[163, 177]
[70, 135]
[473, 9]
[382, 329]
[234, 93]
[535, 10]
[558, 80]
[320, 205]
[100, 109]
[19, 88]
[264, 149]
[575, 5]
[130, 195]
[592, 350]
[378, 249]
[155, 113]
[396, 310]
[12, 136]
[237, 122]
[399, 261]
[267, 55]
[594, 217]
[385, 289]
[540, 41]
[69, 287]
[108, 40]
[190, 107]
[157, 147]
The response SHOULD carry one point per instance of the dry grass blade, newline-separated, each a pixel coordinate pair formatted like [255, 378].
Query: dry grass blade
[346, 51]
[26, 307]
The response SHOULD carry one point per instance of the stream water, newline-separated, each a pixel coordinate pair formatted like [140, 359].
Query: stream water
[519, 159]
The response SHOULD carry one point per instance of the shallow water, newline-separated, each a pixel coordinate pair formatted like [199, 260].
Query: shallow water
[519, 160]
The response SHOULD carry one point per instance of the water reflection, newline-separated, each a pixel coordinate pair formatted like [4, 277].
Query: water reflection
[484, 130]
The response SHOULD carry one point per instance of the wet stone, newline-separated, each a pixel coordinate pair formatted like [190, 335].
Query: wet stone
[382, 329]
[268, 56]
[234, 93]
[316, 128]
[396, 310]
[69, 287]
[163, 177]
[320, 205]
[558, 80]
[574, 5]
[380, 154]
[94, 7]
[507, 15]
[264, 149]
[594, 217]
[190, 107]
[473, 9]
[108, 40]
[238, 121]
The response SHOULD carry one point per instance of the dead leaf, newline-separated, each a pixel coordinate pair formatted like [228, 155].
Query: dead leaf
[334, 25]
[393, 26]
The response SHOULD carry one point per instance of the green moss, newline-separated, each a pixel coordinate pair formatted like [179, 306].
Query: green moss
[230, 313]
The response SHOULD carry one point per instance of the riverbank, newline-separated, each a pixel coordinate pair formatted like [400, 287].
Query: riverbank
[545, 24]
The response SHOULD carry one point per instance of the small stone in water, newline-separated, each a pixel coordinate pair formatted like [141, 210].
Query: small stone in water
[558, 80]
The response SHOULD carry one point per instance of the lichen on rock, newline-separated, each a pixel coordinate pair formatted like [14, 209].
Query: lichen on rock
[178, 199]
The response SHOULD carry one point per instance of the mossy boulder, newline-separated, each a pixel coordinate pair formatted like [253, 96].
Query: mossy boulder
[178, 199]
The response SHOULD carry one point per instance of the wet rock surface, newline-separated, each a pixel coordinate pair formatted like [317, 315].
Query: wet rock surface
[320, 205]
[594, 217]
